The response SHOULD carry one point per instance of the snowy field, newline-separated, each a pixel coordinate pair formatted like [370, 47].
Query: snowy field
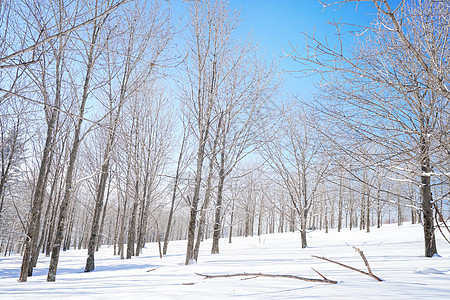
[395, 254]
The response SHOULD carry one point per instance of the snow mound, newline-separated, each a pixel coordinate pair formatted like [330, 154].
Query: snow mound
[424, 270]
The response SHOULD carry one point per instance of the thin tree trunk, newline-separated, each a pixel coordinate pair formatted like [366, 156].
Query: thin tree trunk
[230, 235]
[90, 261]
[51, 276]
[194, 205]
[218, 208]
[174, 194]
[102, 223]
[340, 204]
[33, 229]
[367, 211]
[132, 227]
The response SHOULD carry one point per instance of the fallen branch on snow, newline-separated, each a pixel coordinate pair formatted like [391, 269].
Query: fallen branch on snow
[151, 270]
[351, 268]
[255, 275]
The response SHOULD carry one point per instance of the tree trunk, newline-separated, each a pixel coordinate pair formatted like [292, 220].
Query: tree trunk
[51, 276]
[195, 199]
[340, 208]
[367, 211]
[102, 223]
[399, 212]
[230, 234]
[33, 229]
[303, 231]
[90, 261]
[427, 209]
[218, 208]
[174, 194]
[132, 227]
[202, 222]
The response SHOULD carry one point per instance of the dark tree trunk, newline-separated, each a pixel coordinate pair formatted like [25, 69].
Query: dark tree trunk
[33, 229]
[51, 276]
[90, 261]
[195, 199]
[132, 227]
[174, 194]
[427, 209]
[102, 223]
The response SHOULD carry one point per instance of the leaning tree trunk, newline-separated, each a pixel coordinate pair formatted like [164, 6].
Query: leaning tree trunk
[90, 265]
[33, 229]
[51, 276]
[174, 194]
[202, 222]
[93, 240]
[195, 199]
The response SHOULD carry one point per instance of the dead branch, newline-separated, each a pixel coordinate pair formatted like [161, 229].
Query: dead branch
[348, 267]
[364, 259]
[151, 270]
[320, 274]
[440, 218]
[255, 275]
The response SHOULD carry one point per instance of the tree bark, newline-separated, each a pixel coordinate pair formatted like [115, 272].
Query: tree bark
[218, 208]
[427, 209]
[174, 194]
[51, 276]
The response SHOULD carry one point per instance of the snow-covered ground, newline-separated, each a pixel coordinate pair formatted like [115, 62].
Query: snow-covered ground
[395, 254]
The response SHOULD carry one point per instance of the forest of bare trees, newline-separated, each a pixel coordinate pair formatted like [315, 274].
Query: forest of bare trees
[121, 125]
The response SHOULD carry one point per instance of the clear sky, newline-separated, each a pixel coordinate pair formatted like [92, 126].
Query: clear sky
[276, 23]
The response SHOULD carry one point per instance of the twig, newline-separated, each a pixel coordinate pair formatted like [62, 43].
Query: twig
[248, 278]
[441, 218]
[152, 269]
[255, 275]
[320, 274]
[348, 267]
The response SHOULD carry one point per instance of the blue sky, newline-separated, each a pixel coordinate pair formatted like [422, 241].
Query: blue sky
[277, 23]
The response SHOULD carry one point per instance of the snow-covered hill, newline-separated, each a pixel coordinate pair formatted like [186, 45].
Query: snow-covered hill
[395, 254]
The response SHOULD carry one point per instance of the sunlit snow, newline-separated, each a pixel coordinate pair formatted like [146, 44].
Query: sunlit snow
[395, 254]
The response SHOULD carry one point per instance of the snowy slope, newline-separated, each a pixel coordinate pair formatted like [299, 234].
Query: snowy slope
[395, 254]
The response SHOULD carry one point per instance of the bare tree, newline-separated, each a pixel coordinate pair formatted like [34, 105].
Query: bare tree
[393, 87]
[92, 53]
[296, 157]
[142, 28]
[178, 173]
[211, 30]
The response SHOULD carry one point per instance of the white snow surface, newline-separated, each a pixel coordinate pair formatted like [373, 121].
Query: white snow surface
[395, 254]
